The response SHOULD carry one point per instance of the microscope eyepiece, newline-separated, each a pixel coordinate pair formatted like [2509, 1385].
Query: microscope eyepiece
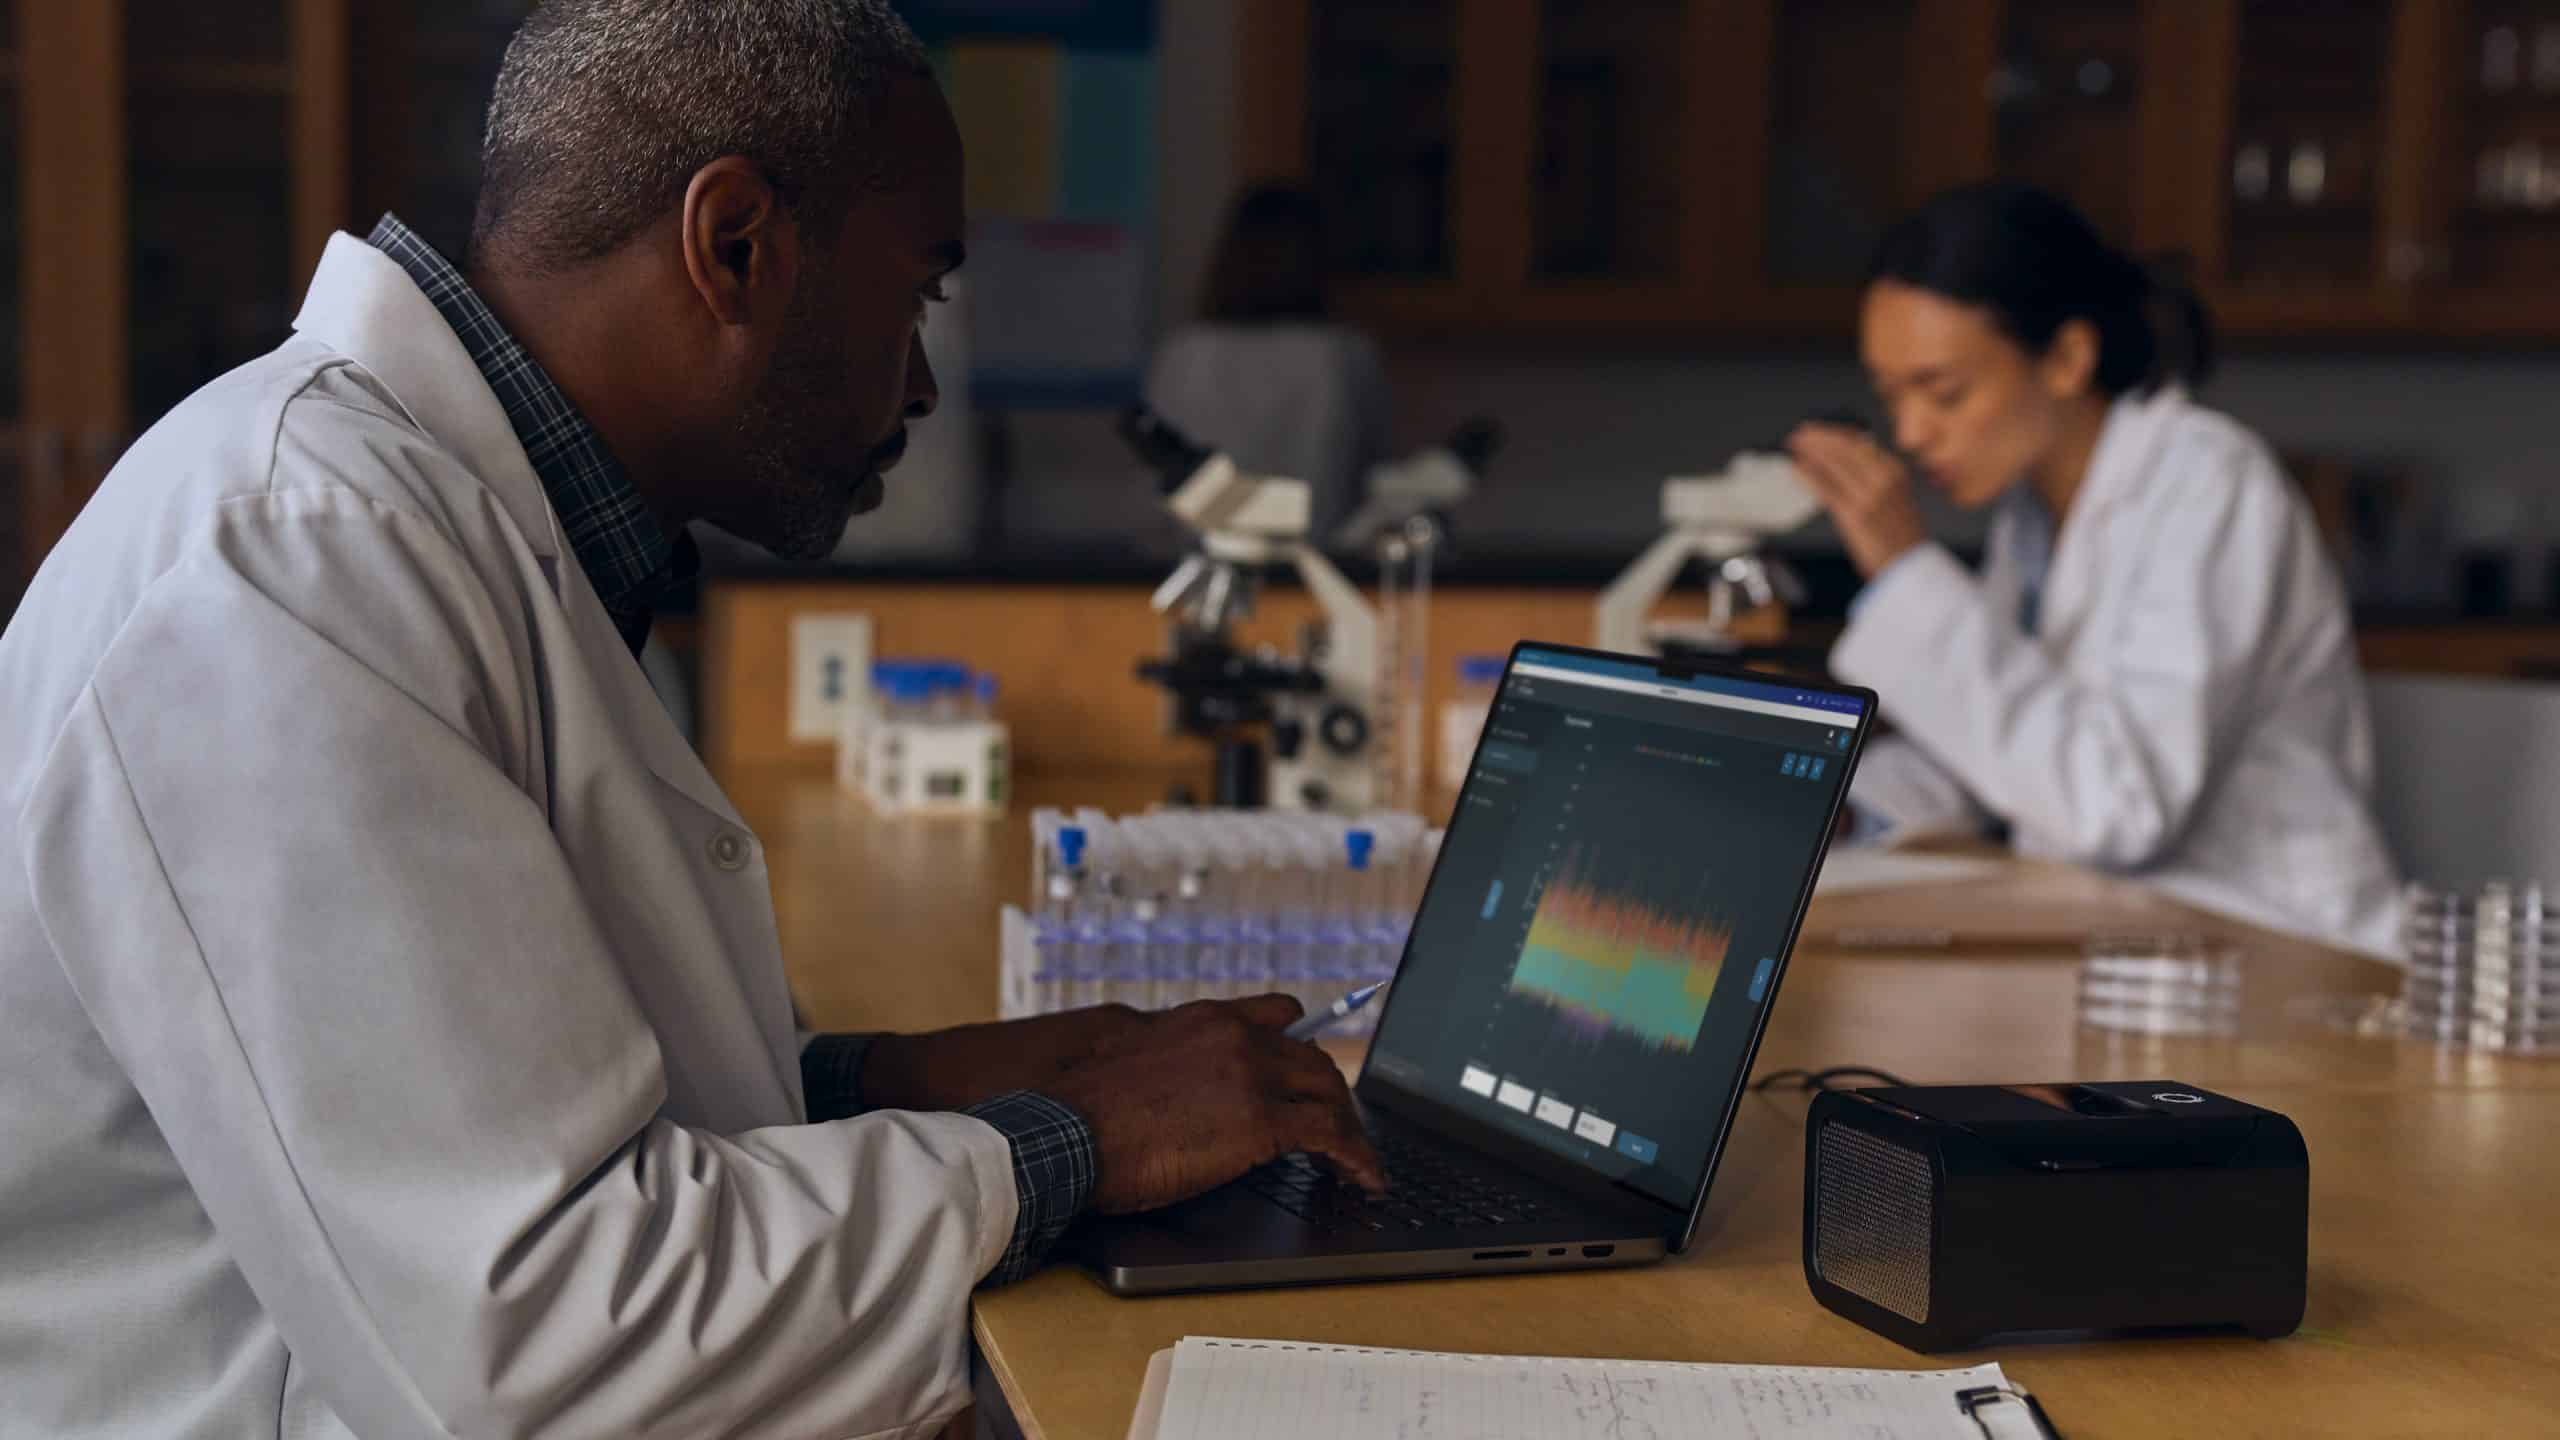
[1475, 442]
[1840, 417]
[1161, 447]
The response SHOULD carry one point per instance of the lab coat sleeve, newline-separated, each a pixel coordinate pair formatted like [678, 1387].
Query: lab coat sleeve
[2105, 763]
[1906, 794]
[286, 853]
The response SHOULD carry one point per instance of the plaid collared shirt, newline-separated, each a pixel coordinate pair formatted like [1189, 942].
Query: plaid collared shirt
[625, 552]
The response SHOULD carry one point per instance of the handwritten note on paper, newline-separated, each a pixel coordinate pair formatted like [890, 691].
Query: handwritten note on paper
[1276, 1390]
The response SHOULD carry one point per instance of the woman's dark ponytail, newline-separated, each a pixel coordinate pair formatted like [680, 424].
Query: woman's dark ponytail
[2180, 325]
[2036, 264]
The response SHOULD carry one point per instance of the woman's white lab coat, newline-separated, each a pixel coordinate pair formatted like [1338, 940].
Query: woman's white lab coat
[2189, 708]
[396, 1038]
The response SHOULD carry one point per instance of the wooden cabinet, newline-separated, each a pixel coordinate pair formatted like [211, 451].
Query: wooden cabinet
[177, 168]
[2065, 98]
[236, 165]
[14, 488]
[2390, 168]
[1722, 168]
[1617, 166]
[1835, 117]
[424, 70]
[2306, 188]
[2487, 250]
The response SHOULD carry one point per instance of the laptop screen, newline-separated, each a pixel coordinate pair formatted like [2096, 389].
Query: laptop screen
[1607, 916]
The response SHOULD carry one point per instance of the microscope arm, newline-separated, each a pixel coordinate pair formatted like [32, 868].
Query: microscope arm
[1351, 627]
[1632, 596]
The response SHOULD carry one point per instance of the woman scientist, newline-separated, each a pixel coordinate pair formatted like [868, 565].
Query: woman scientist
[2154, 671]
[1269, 375]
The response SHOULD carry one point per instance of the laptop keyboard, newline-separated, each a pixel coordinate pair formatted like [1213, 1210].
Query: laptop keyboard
[1429, 1187]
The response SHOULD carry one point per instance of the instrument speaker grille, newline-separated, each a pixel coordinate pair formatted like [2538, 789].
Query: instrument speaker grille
[1874, 1208]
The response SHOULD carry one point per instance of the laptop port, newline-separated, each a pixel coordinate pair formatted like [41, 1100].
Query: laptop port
[1557, 1251]
[1502, 1254]
[1598, 1252]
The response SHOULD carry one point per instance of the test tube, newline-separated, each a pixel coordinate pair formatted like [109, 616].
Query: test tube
[1132, 979]
[1257, 874]
[1090, 936]
[1294, 916]
[1214, 929]
[1157, 918]
[1052, 928]
[1346, 959]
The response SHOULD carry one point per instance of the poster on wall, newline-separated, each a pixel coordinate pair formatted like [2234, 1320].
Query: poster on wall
[1056, 101]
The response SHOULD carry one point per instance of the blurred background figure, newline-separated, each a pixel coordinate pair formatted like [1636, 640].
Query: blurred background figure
[1267, 373]
[2154, 668]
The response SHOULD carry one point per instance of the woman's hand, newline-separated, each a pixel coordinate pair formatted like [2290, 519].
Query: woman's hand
[1867, 491]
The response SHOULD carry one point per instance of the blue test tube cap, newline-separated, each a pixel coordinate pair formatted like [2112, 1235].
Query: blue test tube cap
[1359, 844]
[1071, 845]
[1480, 669]
[986, 690]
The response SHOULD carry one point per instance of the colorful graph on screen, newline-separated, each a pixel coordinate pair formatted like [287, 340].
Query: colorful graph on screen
[1610, 962]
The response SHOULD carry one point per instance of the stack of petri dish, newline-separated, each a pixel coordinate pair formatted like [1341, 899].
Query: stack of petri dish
[2484, 968]
[2160, 985]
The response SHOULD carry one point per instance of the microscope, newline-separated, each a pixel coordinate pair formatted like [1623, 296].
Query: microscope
[1293, 731]
[1405, 523]
[1725, 520]
[1424, 486]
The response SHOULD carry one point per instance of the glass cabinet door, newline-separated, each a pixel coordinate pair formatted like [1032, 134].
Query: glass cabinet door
[2063, 98]
[2310, 93]
[425, 69]
[2504, 231]
[1840, 83]
[1382, 89]
[1612, 114]
[208, 111]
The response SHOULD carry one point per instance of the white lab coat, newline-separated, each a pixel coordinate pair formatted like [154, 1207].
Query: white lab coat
[2189, 710]
[396, 1041]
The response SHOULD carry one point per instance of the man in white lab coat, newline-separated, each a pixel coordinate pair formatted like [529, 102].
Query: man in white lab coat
[396, 1042]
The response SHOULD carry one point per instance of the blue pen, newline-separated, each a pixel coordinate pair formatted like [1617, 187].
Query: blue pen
[1309, 1027]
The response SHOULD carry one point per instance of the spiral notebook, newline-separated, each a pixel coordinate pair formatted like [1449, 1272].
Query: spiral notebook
[1214, 1389]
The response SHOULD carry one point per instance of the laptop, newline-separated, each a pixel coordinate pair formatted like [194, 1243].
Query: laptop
[1567, 1040]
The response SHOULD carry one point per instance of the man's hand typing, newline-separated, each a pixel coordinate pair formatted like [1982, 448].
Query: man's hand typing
[1188, 1099]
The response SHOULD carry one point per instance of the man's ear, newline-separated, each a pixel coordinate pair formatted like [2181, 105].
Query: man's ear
[741, 250]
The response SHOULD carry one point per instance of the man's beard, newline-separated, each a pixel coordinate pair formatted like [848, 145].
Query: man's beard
[795, 500]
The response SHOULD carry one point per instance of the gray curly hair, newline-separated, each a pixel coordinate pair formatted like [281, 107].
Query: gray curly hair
[605, 109]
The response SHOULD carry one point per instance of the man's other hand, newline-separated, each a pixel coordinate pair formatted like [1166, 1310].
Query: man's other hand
[1188, 1099]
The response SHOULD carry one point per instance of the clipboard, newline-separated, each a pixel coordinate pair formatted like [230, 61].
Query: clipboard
[2002, 1411]
[1972, 1402]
